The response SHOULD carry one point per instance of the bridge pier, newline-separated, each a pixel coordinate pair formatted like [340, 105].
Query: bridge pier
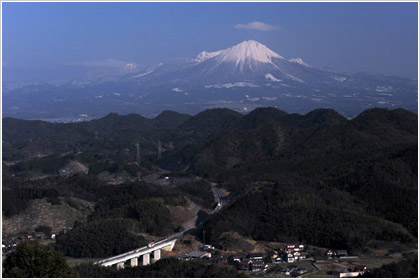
[134, 262]
[156, 255]
[146, 259]
[132, 258]
[169, 247]
[120, 265]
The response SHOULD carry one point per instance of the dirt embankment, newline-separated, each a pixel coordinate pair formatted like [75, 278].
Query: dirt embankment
[184, 216]
[40, 212]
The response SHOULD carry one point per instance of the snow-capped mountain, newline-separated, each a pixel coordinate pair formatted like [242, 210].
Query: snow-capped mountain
[245, 54]
[247, 61]
[241, 77]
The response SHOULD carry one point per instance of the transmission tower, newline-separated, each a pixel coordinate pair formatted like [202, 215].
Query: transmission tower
[138, 153]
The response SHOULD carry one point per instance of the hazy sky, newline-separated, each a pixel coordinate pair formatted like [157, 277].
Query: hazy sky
[49, 41]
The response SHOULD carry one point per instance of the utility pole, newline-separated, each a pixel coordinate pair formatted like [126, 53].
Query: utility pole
[138, 153]
[204, 239]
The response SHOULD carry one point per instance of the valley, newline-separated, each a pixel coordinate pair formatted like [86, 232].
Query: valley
[238, 182]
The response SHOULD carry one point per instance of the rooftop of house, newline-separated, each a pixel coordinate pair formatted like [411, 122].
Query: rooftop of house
[254, 255]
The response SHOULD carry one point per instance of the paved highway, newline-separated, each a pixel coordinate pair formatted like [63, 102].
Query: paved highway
[220, 200]
[138, 252]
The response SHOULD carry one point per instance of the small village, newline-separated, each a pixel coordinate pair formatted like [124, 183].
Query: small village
[9, 244]
[290, 261]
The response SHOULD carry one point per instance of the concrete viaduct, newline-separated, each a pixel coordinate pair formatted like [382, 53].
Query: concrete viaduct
[143, 253]
[155, 248]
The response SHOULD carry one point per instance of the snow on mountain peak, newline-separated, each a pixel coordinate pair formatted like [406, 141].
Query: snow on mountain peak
[299, 61]
[206, 55]
[243, 53]
[249, 50]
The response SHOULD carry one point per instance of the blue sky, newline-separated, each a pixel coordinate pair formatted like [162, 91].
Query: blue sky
[50, 41]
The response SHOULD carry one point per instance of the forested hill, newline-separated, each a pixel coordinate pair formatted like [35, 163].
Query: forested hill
[24, 139]
[318, 177]
[319, 139]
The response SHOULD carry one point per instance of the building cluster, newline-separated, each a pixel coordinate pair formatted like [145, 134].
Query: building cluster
[252, 262]
[336, 253]
[359, 270]
[290, 253]
[294, 271]
[205, 252]
[9, 244]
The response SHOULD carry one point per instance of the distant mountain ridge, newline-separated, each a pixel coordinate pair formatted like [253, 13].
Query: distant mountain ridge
[182, 129]
[242, 77]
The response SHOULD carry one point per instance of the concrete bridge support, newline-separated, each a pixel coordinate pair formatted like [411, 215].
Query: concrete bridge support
[156, 255]
[132, 258]
[120, 265]
[146, 259]
[169, 247]
[134, 262]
